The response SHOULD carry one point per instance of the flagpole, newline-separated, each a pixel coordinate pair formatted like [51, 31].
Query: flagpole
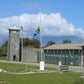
[40, 33]
[41, 61]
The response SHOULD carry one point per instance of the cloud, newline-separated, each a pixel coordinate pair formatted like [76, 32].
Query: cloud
[51, 24]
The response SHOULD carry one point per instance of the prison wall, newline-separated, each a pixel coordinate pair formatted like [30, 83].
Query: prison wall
[30, 54]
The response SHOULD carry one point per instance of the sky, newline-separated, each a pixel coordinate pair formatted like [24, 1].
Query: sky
[58, 17]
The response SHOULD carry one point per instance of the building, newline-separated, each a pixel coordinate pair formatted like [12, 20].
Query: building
[30, 54]
[68, 54]
[13, 44]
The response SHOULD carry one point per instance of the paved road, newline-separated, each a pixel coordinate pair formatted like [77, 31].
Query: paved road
[71, 68]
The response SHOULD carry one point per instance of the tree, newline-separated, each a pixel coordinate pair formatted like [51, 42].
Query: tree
[36, 43]
[27, 41]
[66, 41]
[3, 49]
[49, 43]
[31, 43]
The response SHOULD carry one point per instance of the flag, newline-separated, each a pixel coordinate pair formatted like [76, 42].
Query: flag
[37, 31]
[35, 34]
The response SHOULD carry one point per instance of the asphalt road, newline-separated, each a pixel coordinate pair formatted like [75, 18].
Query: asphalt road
[71, 68]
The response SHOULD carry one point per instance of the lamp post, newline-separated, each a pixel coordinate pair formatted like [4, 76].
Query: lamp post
[22, 43]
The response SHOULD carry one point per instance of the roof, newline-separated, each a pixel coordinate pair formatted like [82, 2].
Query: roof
[66, 46]
[14, 28]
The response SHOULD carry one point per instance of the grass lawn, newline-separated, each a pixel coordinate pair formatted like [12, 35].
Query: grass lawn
[19, 67]
[38, 78]
[3, 57]
[16, 67]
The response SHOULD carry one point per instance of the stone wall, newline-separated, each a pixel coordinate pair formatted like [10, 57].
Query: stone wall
[30, 54]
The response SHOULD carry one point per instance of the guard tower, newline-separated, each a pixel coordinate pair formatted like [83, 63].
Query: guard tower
[13, 44]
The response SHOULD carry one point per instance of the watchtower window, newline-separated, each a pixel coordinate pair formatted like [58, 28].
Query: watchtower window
[13, 31]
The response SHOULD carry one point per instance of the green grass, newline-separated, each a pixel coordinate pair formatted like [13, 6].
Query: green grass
[3, 57]
[19, 67]
[43, 78]
[50, 78]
